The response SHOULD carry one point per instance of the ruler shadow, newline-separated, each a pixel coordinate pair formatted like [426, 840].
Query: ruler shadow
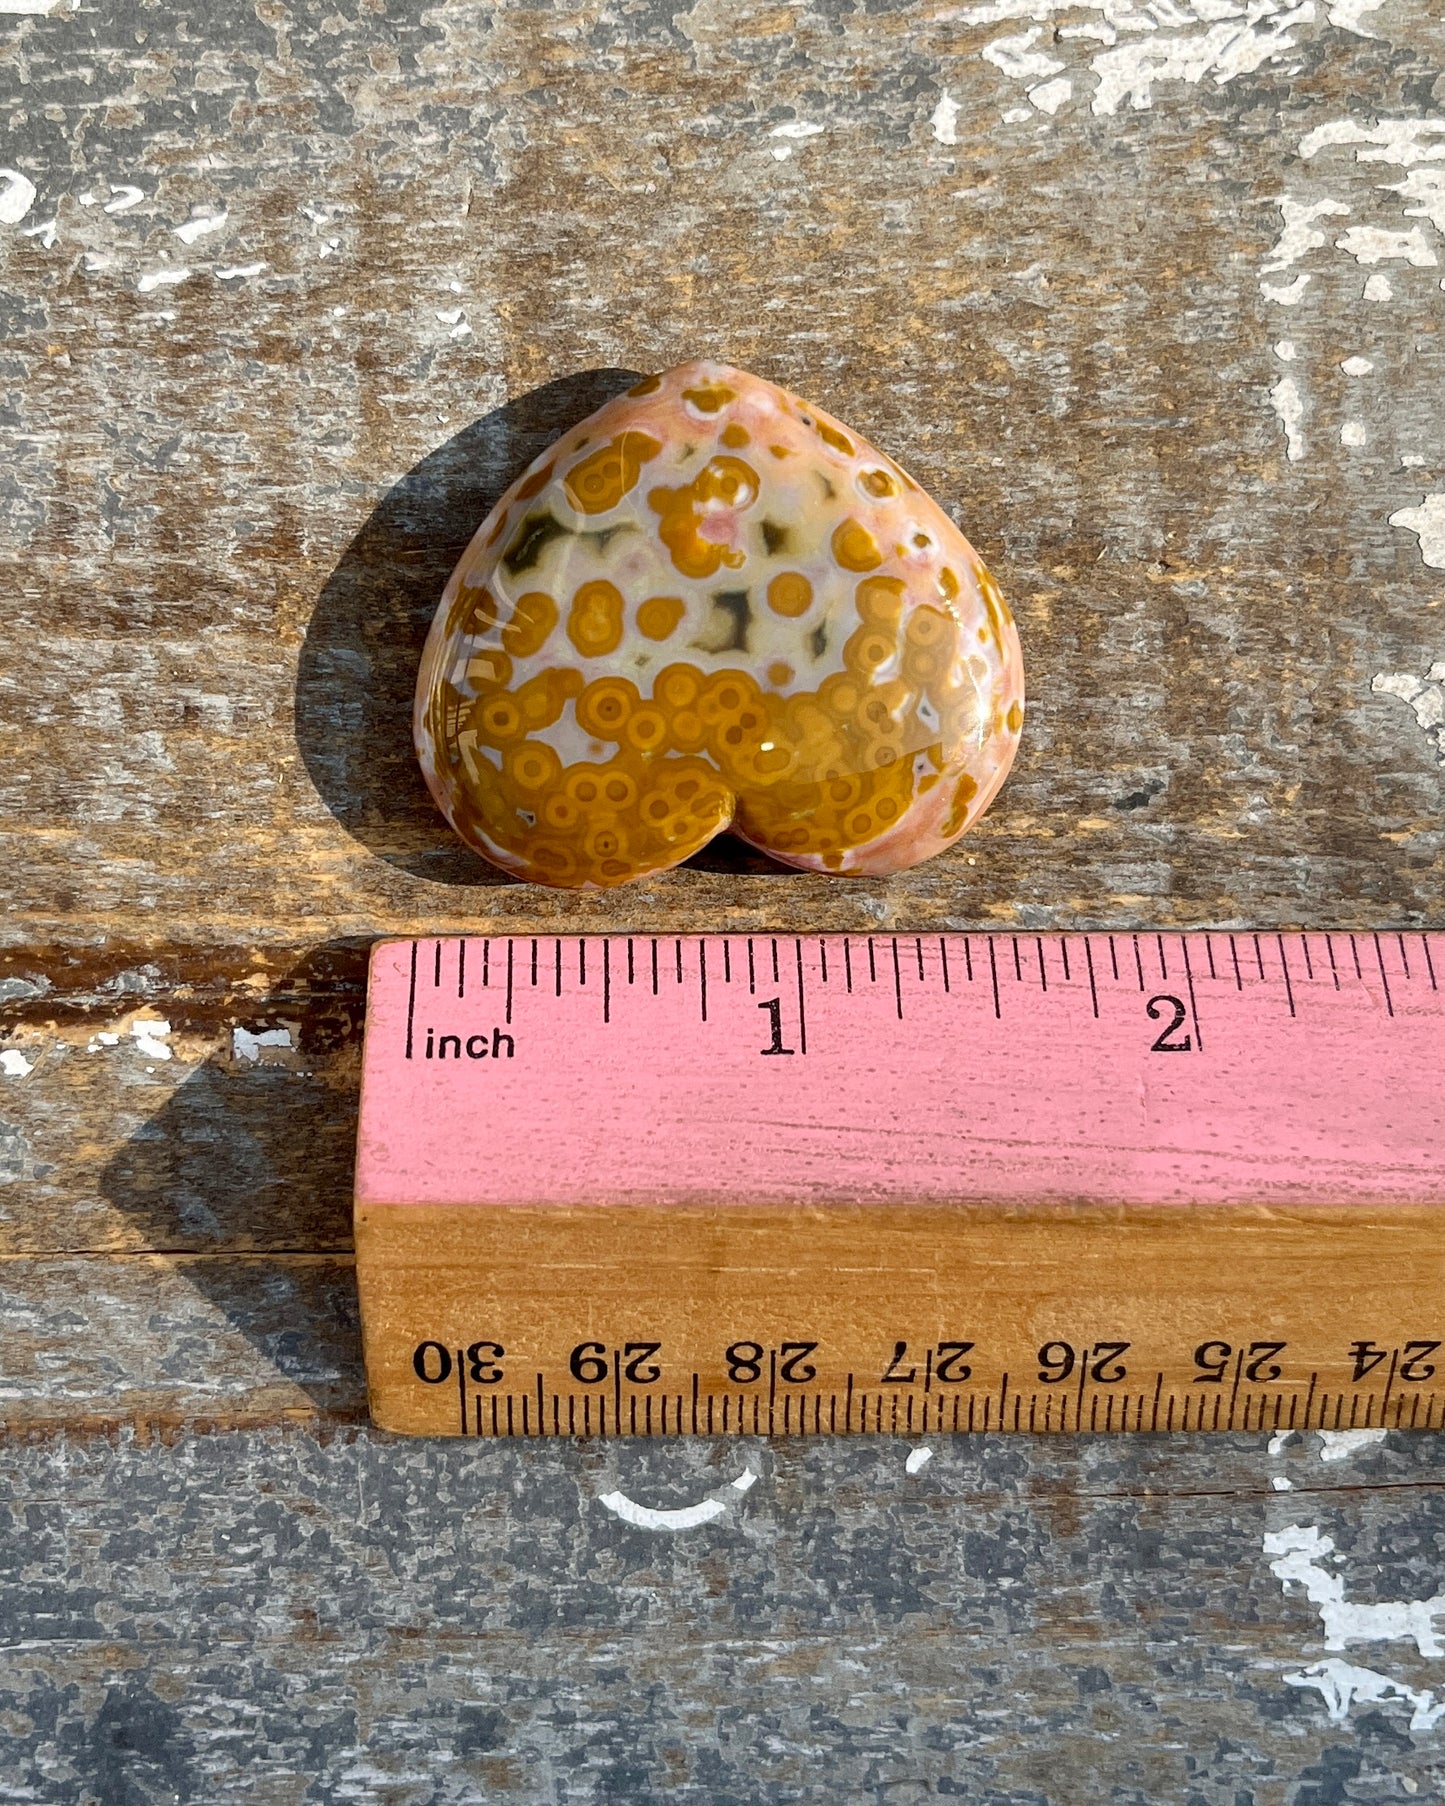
[244, 1178]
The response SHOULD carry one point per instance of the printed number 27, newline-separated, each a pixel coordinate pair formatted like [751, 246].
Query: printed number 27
[1165, 1044]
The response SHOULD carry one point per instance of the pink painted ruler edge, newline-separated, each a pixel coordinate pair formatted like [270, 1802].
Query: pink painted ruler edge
[1016, 1068]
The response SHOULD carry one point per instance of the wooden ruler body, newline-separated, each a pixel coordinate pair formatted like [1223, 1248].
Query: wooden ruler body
[904, 1184]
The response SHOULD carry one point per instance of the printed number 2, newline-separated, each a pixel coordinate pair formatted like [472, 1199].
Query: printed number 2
[1164, 1044]
[774, 1007]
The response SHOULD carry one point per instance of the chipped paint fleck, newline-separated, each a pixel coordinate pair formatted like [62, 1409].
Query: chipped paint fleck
[150, 1036]
[166, 278]
[1424, 695]
[1288, 403]
[1339, 1445]
[199, 225]
[1299, 1552]
[1341, 1684]
[686, 1517]
[17, 197]
[945, 119]
[1427, 522]
[1375, 244]
[247, 1046]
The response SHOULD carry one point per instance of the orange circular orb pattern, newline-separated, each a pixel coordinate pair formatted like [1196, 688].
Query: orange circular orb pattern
[711, 606]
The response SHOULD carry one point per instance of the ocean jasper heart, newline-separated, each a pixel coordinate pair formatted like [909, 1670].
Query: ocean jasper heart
[712, 606]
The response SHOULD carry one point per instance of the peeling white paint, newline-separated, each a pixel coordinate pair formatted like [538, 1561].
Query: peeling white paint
[1345, 15]
[98, 1043]
[1223, 50]
[1378, 288]
[1424, 695]
[1341, 1684]
[17, 197]
[1284, 351]
[14, 1064]
[686, 1517]
[47, 232]
[247, 1046]
[150, 1037]
[1403, 141]
[1375, 244]
[1357, 366]
[199, 225]
[1411, 461]
[123, 196]
[1287, 402]
[1048, 97]
[1339, 1445]
[1018, 59]
[237, 271]
[1427, 186]
[917, 1460]
[795, 130]
[644, 1517]
[1300, 234]
[35, 9]
[1299, 1550]
[1354, 434]
[945, 119]
[166, 278]
[1288, 294]
[1169, 40]
[1280, 1441]
[1428, 523]
[1017, 115]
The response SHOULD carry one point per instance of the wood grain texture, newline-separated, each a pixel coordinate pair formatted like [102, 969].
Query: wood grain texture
[227, 505]
[232, 501]
[268, 1616]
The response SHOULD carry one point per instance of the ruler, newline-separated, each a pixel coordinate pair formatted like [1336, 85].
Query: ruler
[903, 1184]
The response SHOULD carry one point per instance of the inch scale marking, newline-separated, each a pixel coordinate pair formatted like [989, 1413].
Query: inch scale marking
[789, 1184]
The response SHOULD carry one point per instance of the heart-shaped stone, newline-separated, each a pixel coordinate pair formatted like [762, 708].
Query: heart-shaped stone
[712, 606]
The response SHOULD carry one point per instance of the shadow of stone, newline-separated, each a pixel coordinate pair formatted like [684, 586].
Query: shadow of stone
[358, 665]
[251, 1160]
[359, 661]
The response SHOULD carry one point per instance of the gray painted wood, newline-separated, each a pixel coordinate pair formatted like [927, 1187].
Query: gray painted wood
[227, 504]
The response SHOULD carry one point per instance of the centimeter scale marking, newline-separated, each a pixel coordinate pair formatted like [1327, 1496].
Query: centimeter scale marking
[780, 1184]
[856, 1409]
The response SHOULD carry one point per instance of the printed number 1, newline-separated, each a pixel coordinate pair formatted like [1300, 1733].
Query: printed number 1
[774, 1007]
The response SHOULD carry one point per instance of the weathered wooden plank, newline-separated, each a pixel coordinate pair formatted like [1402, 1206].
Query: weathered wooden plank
[360, 1619]
[231, 499]
[174, 1126]
[227, 502]
[162, 1343]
